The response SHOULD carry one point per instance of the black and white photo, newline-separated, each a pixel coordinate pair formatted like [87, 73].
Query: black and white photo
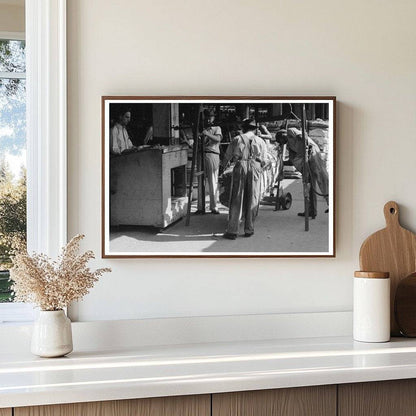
[218, 176]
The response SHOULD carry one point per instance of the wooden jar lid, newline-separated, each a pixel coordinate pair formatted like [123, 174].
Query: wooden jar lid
[372, 275]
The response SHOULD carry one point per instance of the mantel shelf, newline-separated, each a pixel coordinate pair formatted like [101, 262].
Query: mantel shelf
[151, 371]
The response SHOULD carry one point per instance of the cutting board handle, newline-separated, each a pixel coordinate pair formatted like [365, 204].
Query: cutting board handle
[391, 214]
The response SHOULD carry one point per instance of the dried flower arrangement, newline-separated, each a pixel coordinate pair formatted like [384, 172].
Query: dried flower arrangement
[53, 285]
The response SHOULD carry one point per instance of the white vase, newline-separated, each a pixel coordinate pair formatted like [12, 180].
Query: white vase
[52, 334]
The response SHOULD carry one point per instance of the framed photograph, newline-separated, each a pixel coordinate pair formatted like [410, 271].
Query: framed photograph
[218, 176]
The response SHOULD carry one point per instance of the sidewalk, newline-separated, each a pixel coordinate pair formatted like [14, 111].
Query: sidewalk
[275, 231]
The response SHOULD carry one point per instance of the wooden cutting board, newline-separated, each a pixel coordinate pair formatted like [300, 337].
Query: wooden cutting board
[393, 250]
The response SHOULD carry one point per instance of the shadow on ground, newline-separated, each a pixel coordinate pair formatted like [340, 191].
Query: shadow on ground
[275, 231]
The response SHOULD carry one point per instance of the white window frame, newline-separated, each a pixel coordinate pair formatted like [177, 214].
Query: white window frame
[46, 124]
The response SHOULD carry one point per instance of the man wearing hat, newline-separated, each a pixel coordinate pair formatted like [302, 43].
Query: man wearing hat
[249, 152]
[212, 136]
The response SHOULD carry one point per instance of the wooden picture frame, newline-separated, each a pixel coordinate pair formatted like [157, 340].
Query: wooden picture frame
[152, 146]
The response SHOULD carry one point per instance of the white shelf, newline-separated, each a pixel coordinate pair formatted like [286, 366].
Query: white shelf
[150, 371]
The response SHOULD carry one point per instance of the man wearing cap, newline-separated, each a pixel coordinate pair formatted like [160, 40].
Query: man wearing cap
[293, 137]
[212, 137]
[249, 152]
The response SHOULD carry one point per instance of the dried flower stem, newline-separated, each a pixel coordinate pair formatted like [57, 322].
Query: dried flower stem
[53, 285]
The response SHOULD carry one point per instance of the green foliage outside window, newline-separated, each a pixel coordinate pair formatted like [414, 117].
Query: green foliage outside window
[12, 223]
[12, 148]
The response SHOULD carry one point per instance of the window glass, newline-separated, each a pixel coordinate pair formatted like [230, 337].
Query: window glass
[12, 56]
[12, 156]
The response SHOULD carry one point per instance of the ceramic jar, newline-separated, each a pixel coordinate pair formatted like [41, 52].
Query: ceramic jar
[52, 334]
[371, 307]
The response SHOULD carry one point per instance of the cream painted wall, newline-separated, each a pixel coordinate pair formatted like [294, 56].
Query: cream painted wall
[12, 18]
[363, 52]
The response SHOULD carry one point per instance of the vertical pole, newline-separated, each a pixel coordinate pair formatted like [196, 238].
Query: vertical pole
[305, 173]
[194, 156]
[201, 187]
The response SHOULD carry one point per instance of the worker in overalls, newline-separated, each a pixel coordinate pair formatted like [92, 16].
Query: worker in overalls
[318, 173]
[249, 153]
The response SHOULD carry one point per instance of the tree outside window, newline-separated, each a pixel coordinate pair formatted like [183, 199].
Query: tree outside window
[12, 156]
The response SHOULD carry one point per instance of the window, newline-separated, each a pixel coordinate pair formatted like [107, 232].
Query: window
[12, 154]
[45, 27]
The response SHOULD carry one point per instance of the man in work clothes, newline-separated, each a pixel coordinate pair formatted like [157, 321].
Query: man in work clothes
[119, 137]
[318, 173]
[249, 152]
[212, 136]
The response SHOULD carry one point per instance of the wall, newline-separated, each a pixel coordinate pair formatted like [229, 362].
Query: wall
[12, 18]
[361, 52]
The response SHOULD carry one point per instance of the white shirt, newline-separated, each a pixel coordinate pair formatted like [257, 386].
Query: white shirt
[238, 149]
[119, 139]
